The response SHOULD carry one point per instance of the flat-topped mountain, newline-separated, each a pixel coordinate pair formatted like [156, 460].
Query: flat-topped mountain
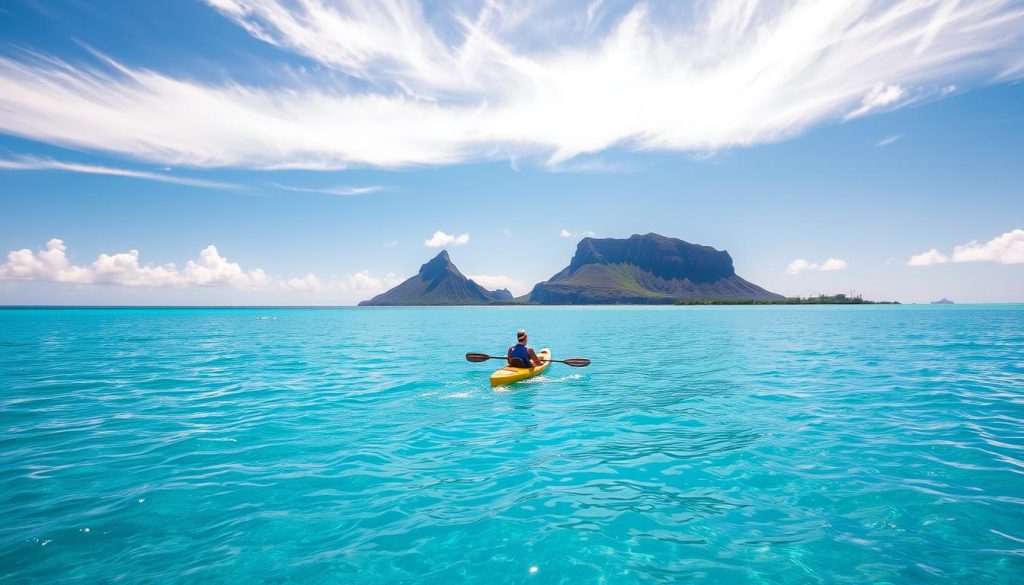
[439, 282]
[645, 269]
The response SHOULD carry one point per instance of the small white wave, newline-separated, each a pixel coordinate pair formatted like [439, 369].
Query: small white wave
[458, 395]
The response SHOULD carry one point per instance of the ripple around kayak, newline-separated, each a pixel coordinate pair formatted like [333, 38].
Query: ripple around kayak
[720, 444]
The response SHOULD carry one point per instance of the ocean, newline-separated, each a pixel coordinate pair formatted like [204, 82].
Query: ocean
[766, 444]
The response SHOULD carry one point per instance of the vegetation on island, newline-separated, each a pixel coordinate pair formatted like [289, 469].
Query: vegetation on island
[837, 299]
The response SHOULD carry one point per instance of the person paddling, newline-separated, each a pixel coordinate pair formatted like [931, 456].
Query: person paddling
[520, 355]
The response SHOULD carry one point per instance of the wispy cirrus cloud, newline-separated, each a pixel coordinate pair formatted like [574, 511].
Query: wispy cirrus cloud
[47, 164]
[346, 190]
[889, 140]
[486, 81]
[880, 96]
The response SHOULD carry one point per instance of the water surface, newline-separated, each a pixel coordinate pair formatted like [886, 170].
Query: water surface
[717, 444]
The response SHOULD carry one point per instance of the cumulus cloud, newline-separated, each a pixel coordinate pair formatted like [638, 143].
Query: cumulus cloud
[210, 269]
[440, 239]
[308, 282]
[928, 258]
[482, 80]
[800, 265]
[584, 234]
[53, 264]
[1007, 248]
[49, 264]
[517, 287]
[363, 282]
[832, 264]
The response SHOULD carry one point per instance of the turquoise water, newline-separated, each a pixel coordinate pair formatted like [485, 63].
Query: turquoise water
[712, 444]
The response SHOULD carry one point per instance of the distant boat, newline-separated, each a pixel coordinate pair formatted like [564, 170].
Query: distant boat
[942, 301]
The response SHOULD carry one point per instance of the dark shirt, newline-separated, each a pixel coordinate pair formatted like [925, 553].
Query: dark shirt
[522, 352]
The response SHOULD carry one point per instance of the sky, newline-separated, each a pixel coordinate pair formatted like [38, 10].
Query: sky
[317, 152]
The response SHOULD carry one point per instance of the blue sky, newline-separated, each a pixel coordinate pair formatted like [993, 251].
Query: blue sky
[876, 148]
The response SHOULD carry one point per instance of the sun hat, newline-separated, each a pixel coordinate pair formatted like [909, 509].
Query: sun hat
[521, 334]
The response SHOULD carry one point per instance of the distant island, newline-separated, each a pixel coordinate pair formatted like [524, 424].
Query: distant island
[839, 299]
[439, 282]
[643, 269]
[942, 301]
[648, 269]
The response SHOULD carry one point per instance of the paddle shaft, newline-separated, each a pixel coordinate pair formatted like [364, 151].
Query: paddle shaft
[574, 362]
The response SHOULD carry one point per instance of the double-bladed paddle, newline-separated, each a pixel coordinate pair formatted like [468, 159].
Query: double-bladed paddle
[483, 357]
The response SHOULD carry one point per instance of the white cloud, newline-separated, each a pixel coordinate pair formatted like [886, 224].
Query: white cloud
[209, 270]
[889, 140]
[800, 265]
[833, 264]
[363, 282]
[49, 264]
[440, 239]
[482, 80]
[46, 164]
[1007, 248]
[928, 258]
[584, 234]
[124, 269]
[880, 96]
[212, 269]
[517, 287]
[308, 282]
[53, 264]
[341, 190]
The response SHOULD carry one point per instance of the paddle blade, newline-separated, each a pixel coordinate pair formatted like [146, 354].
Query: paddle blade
[477, 357]
[577, 362]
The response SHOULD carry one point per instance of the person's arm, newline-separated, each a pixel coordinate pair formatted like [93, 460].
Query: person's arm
[533, 357]
[508, 356]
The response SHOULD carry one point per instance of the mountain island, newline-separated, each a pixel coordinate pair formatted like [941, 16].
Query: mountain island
[439, 282]
[642, 269]
[647, 269]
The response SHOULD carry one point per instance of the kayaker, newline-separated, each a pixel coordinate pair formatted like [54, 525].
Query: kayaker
[520, 355]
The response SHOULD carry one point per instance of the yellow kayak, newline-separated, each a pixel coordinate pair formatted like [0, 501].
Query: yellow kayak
[508, 374]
